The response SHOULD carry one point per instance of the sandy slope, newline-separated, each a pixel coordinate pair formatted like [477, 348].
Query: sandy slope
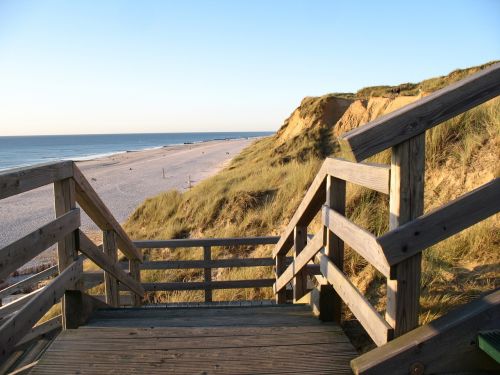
[123, 181]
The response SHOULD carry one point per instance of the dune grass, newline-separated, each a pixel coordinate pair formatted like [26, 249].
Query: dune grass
[259, 191]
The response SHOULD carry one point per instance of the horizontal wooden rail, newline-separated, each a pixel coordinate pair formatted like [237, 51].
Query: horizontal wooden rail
[360, 240]
[29, 281]
[301, 261]
[21, 323]
[378, 329]
[92, 279]
[370, 175]
[40, 330]
[314, 198]
[201, 285]
[92, 204]
[214, 263]
[20, 180]
[398, 126]
[15, 305]
[23, 250]
[200, 242]
[102, 260]
[411, 238]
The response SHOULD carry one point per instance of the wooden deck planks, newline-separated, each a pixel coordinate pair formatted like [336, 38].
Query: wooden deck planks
[201, 340]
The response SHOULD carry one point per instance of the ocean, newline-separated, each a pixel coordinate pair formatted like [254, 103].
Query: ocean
[28, 150]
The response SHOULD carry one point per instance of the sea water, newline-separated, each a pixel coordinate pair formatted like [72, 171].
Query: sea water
[20, 151]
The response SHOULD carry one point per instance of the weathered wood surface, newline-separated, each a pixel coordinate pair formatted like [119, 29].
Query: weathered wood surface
[19, 180]
[201, 285]
[362, 241]
[300, 262]
[92, 279]
[41, 329]
[29, 281]
[79, 307]
[279, 268]
[433, 227]
[415, 118]
[406, 202]
[330, 301]
[370, 175]
[65, 202]
[135, 273]
[17, 304]
[21, 323]
[67, 252]
[300, 276]
[378, 329]
[212, 340]
[92, 204]
[98, 257]
[110, 283]
[314, 198]
[446, 345]
[214, 263]
[201, 242]
[207, 256]
[23, 250]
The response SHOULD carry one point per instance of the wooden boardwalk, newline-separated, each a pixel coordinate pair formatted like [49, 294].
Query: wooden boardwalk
[201, 340]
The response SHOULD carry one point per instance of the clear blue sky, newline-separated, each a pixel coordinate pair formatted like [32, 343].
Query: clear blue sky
[165, 66]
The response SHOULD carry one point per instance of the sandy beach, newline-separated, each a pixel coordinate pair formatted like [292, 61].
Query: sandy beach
[122, 181]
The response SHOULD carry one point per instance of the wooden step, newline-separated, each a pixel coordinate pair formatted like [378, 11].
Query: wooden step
[272, 339]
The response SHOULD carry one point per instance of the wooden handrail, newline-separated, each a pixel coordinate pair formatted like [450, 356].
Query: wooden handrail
[429, 229]
[370, 175]
[21, 323]
[17, 304]
[92, 204]
[40, 330]
[376, 326]
[309, 206]
[102, 260]
[360, 240]
[201, 285]
[213, 263]
[20, 180]
[200, 242]
[401, 125]
[300, 261]
[446, 345]
[21, 251]
[29, 281]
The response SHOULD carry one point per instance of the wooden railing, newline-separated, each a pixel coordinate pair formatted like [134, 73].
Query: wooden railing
[397, 253]
[18, 318]
[207, 264]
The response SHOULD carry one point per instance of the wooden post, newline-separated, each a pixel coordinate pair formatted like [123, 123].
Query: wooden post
[336, 200]
[300, 280]
[207, 255]
[279, 269]
[110, 283]
[135, 272]
[406, 203]
[67, 249]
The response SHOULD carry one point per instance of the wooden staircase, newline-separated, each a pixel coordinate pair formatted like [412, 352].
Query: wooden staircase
[99, 337]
